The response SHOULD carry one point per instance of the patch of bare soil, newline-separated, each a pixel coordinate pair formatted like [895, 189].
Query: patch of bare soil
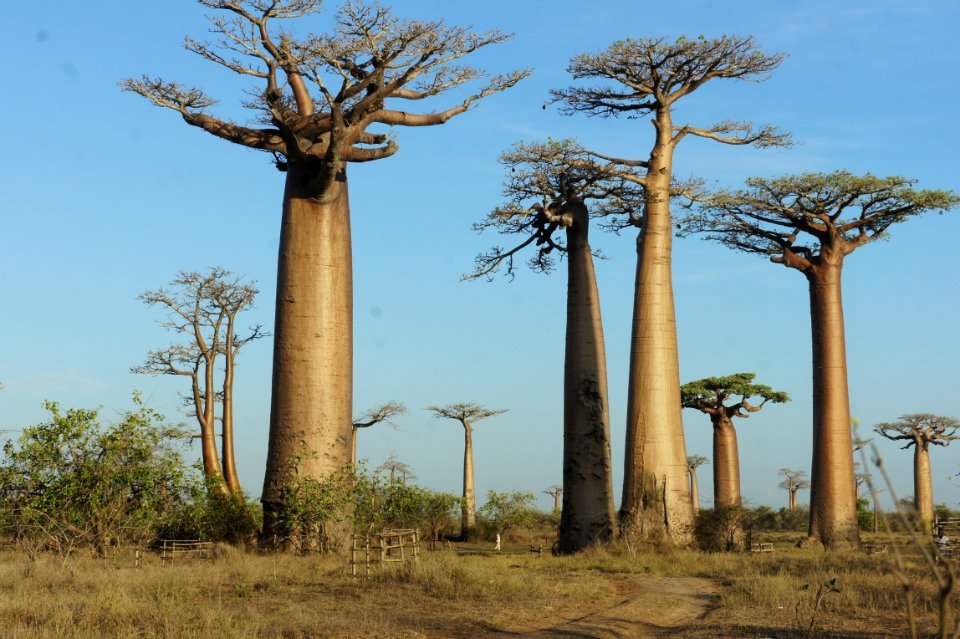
[647, 607]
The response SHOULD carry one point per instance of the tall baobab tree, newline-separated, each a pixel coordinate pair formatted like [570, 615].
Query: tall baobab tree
[322, 102]
[710, 396]
[383, 413]
[693, 463]
[397, 470]
[921, 430]
[555, 491]
[793, 482]
[811, 223]
[468, 415]
[552, 190]
[646, 77]
[203, 307]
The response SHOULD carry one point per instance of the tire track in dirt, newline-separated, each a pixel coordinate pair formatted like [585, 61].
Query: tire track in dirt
[653, 607]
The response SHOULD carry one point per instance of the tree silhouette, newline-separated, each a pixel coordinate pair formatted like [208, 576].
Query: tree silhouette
[921, 430]
[710, 395]
[468, 415]
[322, 102]
[555, 491]
[693, 463]
[811, 223]
[634, 79]
[793, 481]
[383, 413]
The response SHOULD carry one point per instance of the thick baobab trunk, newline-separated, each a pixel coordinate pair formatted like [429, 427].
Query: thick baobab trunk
[694, 492]
[311, 408]
[656, 497]
[588, 514]
[726, 463]
[923, 486]
[833, 507]
[556, 502]
[468, 522]
[792, 500]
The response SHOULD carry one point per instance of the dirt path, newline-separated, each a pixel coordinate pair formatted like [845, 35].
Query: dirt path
[649, 607]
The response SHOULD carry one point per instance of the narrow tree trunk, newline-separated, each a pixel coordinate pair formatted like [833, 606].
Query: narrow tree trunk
[833, 507]
[694, 492]
[726, 463]
[588, 514]
[226, 445]
[206, 417]
[556, 502]
[310, 413]
[656, 497]
[923, 486]
[468, 523]
[353, 445]
[793, 499]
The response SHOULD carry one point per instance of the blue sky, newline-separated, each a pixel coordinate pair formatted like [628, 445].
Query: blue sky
[105, 196]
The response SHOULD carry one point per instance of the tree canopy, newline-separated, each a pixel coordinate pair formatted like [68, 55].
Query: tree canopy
[921, 429]
[709, 394]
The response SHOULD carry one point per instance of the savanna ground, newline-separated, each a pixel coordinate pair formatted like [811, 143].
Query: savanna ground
[601, 593]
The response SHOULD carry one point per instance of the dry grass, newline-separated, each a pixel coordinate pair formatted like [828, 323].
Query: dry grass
[444, 595]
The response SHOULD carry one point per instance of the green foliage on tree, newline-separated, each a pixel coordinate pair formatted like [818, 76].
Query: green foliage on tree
[710, 391]
[864, 514]
[72, 482]
[508, 510]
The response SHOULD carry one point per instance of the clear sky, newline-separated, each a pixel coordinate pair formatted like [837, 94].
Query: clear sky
[105, 196]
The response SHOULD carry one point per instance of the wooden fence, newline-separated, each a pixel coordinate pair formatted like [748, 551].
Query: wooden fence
[171, 549]
[387, 546]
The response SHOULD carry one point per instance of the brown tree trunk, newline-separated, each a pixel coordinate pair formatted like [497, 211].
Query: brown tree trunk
[226, 445]
[726, 462]
[206, 417]
[694, 492]
[556, 502]
[353, 445]
[833, 507]
[923, 486]
[793, 499]
[656, 497]
[468, 523]
[311, 408]
[588, 514]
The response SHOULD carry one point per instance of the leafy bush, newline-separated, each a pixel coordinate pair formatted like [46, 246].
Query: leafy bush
[505, 511]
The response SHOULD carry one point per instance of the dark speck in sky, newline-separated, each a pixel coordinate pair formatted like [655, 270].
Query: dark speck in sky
[42, 36]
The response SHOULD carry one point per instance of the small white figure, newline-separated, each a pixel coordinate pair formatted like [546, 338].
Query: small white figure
[497, 547]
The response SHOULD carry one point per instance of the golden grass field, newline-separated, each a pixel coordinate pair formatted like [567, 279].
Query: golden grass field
[513, 594]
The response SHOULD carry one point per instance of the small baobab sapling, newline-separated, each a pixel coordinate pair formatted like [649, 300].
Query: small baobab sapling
[552, 191]
[322, 102]
[921, 430]
[203, 308]
[693, 463]
[381, 414]
[468, 415]
[810, 223]
[717, 398]
[793, 481]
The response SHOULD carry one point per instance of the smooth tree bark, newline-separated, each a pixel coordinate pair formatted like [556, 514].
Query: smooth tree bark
[321, 99]
[555, 491]
[203, 307]
[381, 414]
[693, 463]
[710, 396]
[811, 223]
[554, 188]
[639, 78]
[920, 431]
[793, 482]
[468, 415]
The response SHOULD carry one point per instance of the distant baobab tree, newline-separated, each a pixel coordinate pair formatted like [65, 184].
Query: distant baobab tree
[383, 413]
[202, 308]
[693, 463]
[396, 469]
[468, 415]
[555, 491]
[920, 430]
[322, 102]
[710, 395]
[811, 223]
[793, 481]
[646, 77]
[552, 190]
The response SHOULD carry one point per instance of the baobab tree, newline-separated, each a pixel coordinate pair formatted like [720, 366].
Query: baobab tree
[381, 414]
[793, 481]
[555, 491]
[397, 470]
[811, 223]
[693, 463]
[468, 415]
[203, 308]
[710, 396]
[320, 101]
[638, 78]
[552, 190]
[921, 430]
